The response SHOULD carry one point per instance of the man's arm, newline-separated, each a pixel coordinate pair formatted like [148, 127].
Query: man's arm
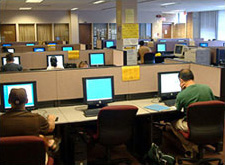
[51, 122]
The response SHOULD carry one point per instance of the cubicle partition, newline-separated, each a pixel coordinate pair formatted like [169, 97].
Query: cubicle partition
[38, 60]
[58, 47]
[67, 84]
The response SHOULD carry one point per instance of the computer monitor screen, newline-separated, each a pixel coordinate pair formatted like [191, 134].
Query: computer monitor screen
[59, 57]
[67, 48]
[39, 49]
[203, 44]
[30, 44]
[108, 44]
[162, 40]
[11, 50]
[183, 43]
[161, 47]
[6, 44]
[180, 40]
[30, 88]
[224, 44]
[168, 85]
[52, 43]
[96, 59]
[16, 60]
[98, 91]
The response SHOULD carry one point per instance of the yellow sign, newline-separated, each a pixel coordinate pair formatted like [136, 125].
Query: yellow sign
[130, 73]
[73, 54]
[130, 30]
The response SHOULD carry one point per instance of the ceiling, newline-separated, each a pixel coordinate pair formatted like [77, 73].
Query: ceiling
[143, 5]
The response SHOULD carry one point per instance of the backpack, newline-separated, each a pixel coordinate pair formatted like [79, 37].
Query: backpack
[156, 157]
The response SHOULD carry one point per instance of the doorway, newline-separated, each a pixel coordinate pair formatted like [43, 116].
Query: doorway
[8, 32]
[166, 30]
[85, 34]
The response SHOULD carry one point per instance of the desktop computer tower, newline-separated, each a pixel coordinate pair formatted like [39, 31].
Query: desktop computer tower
[218, 56]
[198, 55]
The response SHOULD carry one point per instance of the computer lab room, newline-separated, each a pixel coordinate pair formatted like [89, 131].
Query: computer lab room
[124, 82]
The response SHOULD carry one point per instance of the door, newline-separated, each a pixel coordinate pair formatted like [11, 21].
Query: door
[85, 34]
[8, 32]
[166, 30]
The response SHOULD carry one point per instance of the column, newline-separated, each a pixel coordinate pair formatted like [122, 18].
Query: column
[127, 29]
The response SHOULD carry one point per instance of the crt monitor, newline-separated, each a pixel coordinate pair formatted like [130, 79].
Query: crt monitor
[203, 44]
[16, 60]
[168, 85]
[160, 47]
[30, 44]
[11, 50]
[59, 57]
[108, 44]
[67, 48]
[97, 59]
[179, 50]
[6, 44]
[98, 91]
[38, 49]
[30, 88]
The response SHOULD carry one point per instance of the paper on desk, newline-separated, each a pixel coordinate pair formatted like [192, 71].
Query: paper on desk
[157, 107]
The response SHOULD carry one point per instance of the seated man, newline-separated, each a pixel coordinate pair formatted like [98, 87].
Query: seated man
[19, 122]
[142, 50]
[11, 66]
[191, 92]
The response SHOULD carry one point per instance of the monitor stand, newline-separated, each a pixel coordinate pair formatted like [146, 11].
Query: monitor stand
[96, 106]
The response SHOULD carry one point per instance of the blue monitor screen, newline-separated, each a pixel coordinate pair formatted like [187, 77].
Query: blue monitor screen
[109, 44]
[96, 59]
[30, 88]
[203, 44]
[30, 44]
[39, 49]
[183, 44]
[162, 40]
[68, 48]
[52, 43]
[161, 47]
[6, 44]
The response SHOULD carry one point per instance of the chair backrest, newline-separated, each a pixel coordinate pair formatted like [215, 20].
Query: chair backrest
[149, 58]
[206, 121]
[22, 150]
[115, 124]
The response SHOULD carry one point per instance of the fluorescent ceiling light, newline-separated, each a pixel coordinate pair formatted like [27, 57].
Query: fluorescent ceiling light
[25, 8]
[74, 8]
[168, 4]
[34, 1]
[98, 2]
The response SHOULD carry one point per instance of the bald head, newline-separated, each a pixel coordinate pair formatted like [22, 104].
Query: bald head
[18, 97]
[186, 75]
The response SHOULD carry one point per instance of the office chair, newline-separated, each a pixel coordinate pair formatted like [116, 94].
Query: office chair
[205, 122]
[149, 58]
[115, 127]
[20, 150]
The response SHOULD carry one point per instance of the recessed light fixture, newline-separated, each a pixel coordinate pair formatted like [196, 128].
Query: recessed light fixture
[34, 1]
[74, 8]
[98, 2]
[25, 8]
[168, 4]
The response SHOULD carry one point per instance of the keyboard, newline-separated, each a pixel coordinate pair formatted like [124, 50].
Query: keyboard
[91, 112]
[170, 102]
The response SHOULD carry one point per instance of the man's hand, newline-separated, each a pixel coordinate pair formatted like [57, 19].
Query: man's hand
[51, 122]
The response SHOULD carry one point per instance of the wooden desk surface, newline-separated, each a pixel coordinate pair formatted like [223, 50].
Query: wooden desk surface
[74, 114]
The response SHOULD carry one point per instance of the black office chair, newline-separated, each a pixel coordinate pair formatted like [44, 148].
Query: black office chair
[206, 126]
[149, 58]
[115, 127]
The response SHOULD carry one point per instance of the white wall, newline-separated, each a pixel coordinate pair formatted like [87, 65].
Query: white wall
[34, 17]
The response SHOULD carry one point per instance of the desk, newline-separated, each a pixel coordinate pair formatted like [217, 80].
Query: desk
[75, 114]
